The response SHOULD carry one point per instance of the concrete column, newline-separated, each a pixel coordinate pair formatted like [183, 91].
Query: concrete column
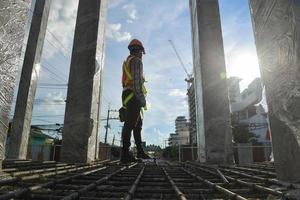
[27, 87]
[277, 34]
[81, 117]
[212, 103]
[13, 20]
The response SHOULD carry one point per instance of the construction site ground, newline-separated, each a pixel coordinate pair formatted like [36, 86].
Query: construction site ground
[147, 180]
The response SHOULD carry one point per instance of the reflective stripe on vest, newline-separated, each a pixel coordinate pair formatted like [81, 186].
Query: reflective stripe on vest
[128, 74]
[127, 99]
[130, 78]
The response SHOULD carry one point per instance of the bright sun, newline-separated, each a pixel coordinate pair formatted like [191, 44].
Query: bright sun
[245, 66]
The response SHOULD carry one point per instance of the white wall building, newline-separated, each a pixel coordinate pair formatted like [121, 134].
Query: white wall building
[182, 134]
[247, 109]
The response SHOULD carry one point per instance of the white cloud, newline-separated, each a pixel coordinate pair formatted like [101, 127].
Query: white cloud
[129, 21]
[52, 103]
[115, 3]
[158, 137]
[61, 25]
[131, 11]
[113, 31]
[177, 93]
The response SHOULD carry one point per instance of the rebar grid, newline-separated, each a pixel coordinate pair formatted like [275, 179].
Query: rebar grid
[229, 194]
[179, 194]
[251, 185]
[132, 190]
[150, 180]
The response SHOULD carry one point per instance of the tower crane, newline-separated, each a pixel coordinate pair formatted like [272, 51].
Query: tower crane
[189, 78]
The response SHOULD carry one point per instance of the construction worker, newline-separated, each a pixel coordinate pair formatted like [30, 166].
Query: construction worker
[133, 98]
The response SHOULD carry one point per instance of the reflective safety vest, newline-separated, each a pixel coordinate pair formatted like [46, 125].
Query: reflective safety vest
[127, 81]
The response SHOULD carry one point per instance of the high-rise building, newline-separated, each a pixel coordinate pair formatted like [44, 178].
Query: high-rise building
[192, 113]
[182, 134]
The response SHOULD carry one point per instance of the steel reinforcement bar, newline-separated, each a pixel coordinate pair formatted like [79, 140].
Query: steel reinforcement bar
[17, 176]
[84, 190]
[25, 191]
[266, 180]
[179, 194]
[228, 193]
[239, 181]
[132, 190]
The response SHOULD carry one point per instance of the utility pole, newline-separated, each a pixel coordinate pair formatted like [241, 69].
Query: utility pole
[107, 122]
[113, 141]
[106, 127]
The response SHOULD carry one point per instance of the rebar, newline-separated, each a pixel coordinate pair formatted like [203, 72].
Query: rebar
[179, 194]
[218, 188]
[222, 176]
[253, 170]
[76, 195]
[132, 190]
[244, 183]
[18, 193]
[160, 180]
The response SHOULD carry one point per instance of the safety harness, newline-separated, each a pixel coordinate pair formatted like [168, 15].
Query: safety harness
[128, 81]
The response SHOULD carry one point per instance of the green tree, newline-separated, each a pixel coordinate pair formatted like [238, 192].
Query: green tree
[241, 134]
[170, 153]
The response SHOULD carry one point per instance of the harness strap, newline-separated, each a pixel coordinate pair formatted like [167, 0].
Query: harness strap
[127, 99]
[128, 74]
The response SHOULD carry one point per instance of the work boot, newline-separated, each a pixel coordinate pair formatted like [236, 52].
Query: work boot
[141, 154]
[127, 157]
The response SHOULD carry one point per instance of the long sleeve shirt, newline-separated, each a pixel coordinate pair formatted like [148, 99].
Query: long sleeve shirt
[136, 67]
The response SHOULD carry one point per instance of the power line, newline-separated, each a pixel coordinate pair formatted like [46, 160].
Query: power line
[59, 50]
[49, 75]
[57, 77]
[52, 88]
[53, 84]
[57, 69]
[51, 104]
[64, 79]
[58, 41]
[60, 59]
[62, 54]
[52, 34]
[44, 120]
[42, 116]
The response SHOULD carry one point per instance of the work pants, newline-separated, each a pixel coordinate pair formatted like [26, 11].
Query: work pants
[133, 122]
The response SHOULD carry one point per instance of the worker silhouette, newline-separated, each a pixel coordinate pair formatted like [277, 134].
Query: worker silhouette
[133, 99]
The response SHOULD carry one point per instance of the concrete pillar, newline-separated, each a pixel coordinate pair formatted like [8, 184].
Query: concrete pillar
[212, 103]
[28, 82]
[13, 20]
[277, 35]
[81, 117]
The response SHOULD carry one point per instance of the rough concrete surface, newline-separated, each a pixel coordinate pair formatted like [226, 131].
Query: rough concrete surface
[83, 98]
[13, 19]
[28, 82]
[277, 34]
[245, 153]
[212, 102]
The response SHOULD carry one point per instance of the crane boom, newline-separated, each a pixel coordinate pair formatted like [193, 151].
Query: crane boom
[179, 58]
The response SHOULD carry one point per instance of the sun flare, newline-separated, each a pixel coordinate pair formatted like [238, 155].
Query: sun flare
[245, 66]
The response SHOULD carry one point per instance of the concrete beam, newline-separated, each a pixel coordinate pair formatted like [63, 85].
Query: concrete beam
[13, 20]
[28, 82]
[277, 35]
[83, 98]
[212, 104]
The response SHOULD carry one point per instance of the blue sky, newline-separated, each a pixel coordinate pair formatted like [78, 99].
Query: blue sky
[154, 23]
